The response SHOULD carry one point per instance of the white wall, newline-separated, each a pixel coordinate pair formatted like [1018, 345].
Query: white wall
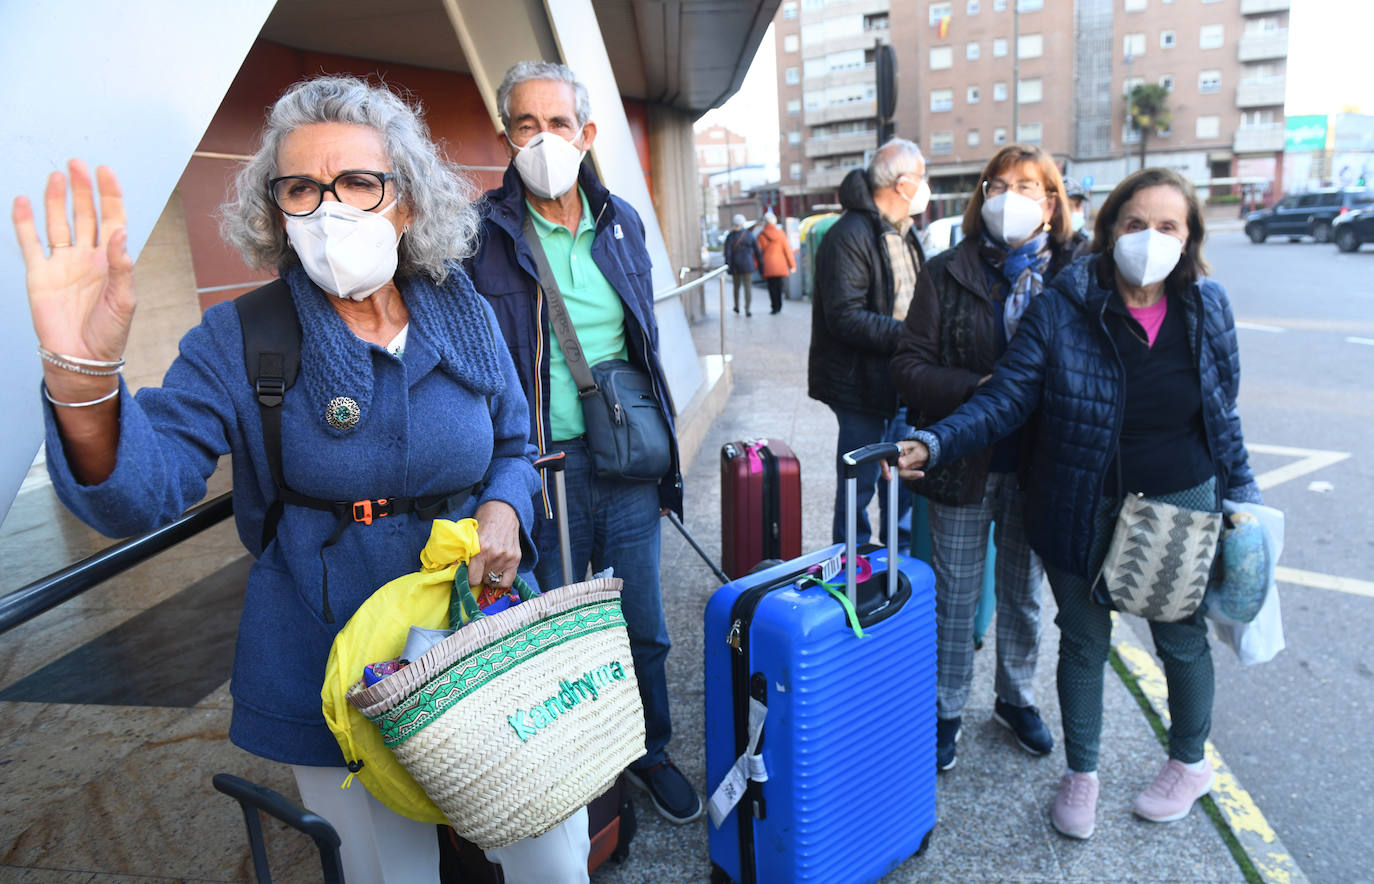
[131, 85]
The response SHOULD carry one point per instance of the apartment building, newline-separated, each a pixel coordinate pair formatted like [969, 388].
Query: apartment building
[719, 150]
[827, 95]
[974, 75]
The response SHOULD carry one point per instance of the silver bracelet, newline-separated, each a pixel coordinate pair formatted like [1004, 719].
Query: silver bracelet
[93, 367]
[106, 398]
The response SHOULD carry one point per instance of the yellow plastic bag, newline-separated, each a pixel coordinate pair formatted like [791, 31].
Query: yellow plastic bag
[378, 632]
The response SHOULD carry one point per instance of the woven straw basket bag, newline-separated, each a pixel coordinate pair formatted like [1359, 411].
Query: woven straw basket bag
[518, 719]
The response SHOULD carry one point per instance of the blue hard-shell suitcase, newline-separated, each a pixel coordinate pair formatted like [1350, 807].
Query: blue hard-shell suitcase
[840, 786]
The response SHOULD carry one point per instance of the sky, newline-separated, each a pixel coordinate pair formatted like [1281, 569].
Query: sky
[1329, 47]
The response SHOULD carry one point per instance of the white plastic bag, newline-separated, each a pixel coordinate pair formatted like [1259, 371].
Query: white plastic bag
[1260, 640]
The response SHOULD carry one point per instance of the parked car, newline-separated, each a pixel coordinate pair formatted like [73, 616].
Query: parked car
[1306, 214]
[1353, 229]
[942, 234]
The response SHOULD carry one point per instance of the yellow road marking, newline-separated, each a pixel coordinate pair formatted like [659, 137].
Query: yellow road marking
[1310, 460]
[1257, 838]
[1325, 581]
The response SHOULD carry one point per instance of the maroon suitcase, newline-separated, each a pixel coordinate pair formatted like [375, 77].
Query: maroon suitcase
[760, 504]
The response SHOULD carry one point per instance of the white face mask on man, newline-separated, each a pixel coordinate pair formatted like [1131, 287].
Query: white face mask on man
[346, 251]
[1146, 256]
[1013, 218]
[548, 164]
[917, 203]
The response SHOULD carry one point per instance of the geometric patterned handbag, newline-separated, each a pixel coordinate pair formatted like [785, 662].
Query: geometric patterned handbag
[1159, 560]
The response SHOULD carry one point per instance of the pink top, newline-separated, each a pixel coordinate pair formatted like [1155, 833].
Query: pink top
[1151, 318]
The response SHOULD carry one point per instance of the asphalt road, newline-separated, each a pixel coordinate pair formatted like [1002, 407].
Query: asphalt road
[1298, 731]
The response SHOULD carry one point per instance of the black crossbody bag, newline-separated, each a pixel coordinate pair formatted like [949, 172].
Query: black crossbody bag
[627, 433]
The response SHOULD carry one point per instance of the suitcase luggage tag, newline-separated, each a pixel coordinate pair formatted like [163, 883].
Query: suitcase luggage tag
[821, 575]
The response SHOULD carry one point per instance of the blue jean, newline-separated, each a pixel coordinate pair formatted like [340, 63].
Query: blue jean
[858, 429]
[615, 524]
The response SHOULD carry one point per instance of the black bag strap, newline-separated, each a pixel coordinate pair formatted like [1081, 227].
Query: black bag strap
[559, 320]
[272, 358]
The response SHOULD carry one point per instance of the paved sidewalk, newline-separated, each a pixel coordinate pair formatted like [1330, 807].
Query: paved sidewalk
[993, 807]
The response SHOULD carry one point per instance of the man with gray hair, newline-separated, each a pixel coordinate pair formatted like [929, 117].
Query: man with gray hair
[593, 246]
[866, 270]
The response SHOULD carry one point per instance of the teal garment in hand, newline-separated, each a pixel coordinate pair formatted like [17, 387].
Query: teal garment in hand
[1244, 573]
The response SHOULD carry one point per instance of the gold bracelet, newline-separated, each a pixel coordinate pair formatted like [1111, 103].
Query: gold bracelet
[93, 367]
[106, 398]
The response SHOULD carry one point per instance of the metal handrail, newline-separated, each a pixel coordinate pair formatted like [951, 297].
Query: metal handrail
[686, 287]
[48, 592]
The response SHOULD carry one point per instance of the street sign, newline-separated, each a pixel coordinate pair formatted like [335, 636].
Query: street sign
[1088, 182]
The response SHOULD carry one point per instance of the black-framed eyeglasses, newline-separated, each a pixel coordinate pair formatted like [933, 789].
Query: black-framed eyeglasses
[299, 195]
[996, 187]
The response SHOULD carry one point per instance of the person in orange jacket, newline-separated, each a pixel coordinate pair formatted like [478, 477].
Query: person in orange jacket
[778, 262]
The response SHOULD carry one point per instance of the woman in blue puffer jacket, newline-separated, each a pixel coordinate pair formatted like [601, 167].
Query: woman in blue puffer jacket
[1126, 371]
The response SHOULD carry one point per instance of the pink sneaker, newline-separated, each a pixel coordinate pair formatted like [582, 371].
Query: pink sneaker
[1173, 792]
[1075, 807]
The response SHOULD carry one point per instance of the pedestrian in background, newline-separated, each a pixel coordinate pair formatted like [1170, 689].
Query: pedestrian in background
[968, 303]
[777, 261]
[1128, 368]
[1079, 205]
[742, 258]
[866, 271]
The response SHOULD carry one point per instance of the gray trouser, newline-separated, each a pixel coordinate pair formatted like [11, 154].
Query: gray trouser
[744, 281]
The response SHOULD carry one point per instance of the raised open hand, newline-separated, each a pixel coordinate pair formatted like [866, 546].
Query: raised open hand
[82, 294]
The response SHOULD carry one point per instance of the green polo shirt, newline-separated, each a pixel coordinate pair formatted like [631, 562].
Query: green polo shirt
[594, 307]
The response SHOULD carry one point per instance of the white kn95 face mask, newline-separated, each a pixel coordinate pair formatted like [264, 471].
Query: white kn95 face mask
[1146, 256]
[548, 164]
[345, 251]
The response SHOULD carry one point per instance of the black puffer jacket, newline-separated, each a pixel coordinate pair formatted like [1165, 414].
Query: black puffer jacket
[853, 333]
[1062, 367]
[948, 343]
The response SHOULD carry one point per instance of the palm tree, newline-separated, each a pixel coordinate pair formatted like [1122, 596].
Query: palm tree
[1147, 109]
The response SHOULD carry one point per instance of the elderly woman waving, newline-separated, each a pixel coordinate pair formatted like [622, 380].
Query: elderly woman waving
[1127, 364]
[405, 401]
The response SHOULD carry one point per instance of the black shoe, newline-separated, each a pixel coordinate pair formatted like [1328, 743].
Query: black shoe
[672, 795]
[736, 308]
[946, 735]
[1024, 722]
[746, 313]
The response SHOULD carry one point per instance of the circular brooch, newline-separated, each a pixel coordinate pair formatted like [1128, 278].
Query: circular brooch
[342, 413]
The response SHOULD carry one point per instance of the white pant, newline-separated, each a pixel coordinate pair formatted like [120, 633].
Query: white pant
[381, 846]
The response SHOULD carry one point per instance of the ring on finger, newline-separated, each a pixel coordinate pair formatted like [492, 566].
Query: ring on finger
[494, 577]
[59, 245]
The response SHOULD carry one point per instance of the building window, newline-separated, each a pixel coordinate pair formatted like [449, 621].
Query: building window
[1029, 91]
[1129, 133]
[1209, 126]
[972, 96]
[815, 100]
[971, 51]
[999, 5]
[1211, 37]
[1135, 5]
[877, 21]
[794, 137]
[1167, 39]
[792, 76]
[1133, 46]
[999, 91]
[941, 58]
[971, 8]
[794, 105]
[1030, 5]
[1208, 81]
[1257, 119]
[789, 10]
[939, 11]
[791, 43]
[1128, 85]
[1167, 81]
[1030, 46]
[794, 171]
[941, 100]
[813, 68]
[1029, 133]
[973, 138]
[999, 135]
[999, 47]
[942, 142]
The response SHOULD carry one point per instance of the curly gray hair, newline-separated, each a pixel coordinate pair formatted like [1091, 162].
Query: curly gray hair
[524, 71]
[440, 197]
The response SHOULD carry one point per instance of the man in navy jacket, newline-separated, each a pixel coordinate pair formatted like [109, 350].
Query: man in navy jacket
[595, 247]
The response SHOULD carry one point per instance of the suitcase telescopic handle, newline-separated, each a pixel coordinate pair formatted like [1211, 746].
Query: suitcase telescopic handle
[554, 462]
[888, 451]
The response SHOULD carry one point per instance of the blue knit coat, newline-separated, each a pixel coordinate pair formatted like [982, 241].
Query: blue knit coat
[1061, 373]
[447, 414]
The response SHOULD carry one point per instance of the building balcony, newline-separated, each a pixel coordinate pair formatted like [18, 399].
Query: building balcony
[1268, 92]
[1259, 139]
[1255, 7]
[853, 110]
[841, 144]
[1262, 46]
[827, 179]
[864, 74]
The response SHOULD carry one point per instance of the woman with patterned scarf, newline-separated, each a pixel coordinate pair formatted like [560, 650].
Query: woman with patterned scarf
[967, 306]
